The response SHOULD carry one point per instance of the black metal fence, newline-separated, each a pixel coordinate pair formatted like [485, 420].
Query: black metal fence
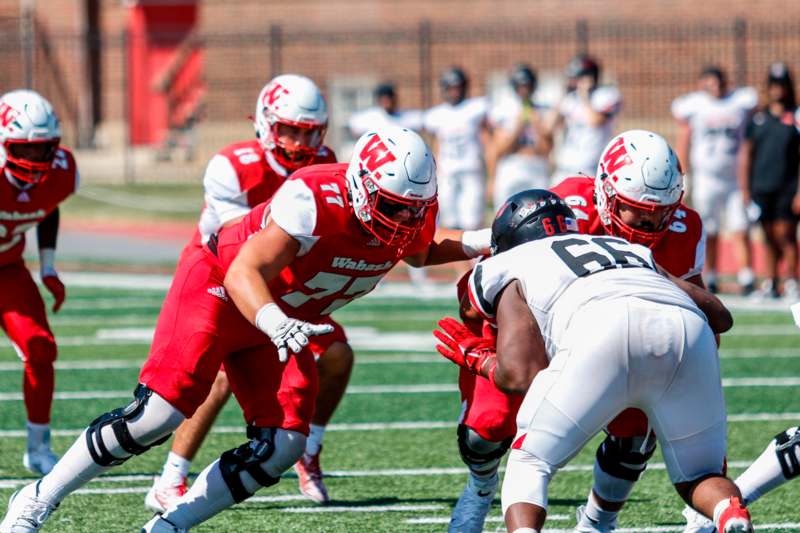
[86, 75]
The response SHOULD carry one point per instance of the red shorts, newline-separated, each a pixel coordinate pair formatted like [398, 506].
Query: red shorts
[199, 328]
[22, 311]
[491, 413]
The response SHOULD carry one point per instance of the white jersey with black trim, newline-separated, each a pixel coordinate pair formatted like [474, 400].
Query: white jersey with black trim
[561, 274]
[717, 126]
[583, 143]
[457, 130]
[376, 117]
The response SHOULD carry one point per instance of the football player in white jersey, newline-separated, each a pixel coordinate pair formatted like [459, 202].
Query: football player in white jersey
[586, 115]
[458, 125]
[520, 144]
[385, 112]
[710, 128]
[588, 326]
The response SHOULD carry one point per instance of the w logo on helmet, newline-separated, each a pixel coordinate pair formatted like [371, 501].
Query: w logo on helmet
[375, 154]
[616, 157]
[275, 92]
[7, 114]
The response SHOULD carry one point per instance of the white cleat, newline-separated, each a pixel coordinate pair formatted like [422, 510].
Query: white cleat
[161, 525]
[473, 505]
[162, 496]
[587, 525]
[26, 512]
[40, 460]
[697, 523]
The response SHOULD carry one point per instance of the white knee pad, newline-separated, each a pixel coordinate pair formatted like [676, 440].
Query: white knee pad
[526, 480]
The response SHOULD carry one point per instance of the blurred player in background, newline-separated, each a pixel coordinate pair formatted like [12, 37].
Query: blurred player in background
[586, 327]
[520, 145]
[385, 112]
[586, 116]
[768, 174]
[37, 175]
[290, 122]
[251, 297]
[458, 125]
[710, 127]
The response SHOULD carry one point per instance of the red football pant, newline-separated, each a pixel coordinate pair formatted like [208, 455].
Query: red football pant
[490, 412]
[24, 320]
[199, 329]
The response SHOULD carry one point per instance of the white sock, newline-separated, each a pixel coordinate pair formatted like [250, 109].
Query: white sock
[594, 512]
[71, 472]
[175, 469]
[745, 276]
[763, 475]
[314, 440]
[38, 435]
[207, 496]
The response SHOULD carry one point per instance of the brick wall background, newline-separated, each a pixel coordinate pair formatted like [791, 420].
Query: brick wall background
[653, 50]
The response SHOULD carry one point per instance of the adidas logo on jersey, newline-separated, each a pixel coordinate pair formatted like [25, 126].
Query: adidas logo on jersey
[348, 263]
[219, 292]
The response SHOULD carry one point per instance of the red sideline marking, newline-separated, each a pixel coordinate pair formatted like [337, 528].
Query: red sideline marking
[157, 230]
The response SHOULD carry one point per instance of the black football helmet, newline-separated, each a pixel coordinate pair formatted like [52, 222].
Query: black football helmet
[583, 65]
[522, 74]
[528, 216]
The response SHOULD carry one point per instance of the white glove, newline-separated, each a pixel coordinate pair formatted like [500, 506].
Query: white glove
[287, 333]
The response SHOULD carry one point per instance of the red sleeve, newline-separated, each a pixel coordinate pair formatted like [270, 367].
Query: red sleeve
[578, 193]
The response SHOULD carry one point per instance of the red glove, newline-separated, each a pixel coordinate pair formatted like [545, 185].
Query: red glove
[56, 288]
[461, 346]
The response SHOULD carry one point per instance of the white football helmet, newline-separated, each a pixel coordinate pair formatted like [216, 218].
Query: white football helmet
[29, 135]
[638, 169]
[293, 101]
[391, 180]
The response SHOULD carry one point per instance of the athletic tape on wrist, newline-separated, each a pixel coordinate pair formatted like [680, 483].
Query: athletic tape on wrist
[476, 242]
[268, 318]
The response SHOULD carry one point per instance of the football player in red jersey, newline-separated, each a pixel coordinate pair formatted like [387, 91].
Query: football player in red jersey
[636, 195]
[290, 122]
[253, 296]
[37, 175]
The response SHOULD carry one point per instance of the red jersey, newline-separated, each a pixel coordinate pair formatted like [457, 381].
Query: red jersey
[21, 210]
[681, 251]
[338, 260]
[238, 178]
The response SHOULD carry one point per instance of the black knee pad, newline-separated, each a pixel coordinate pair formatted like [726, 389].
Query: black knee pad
[787, 447]
[118, 420]
[483, 457]
[625, 457]
[248, 458]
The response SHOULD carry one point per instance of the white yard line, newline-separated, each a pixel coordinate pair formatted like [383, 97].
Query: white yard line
[9, 483]
[400, 508]
[490, 519]
[388, 426]
[787, 526]
[429, 388]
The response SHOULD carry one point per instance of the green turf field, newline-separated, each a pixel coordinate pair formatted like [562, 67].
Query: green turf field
[391, 451]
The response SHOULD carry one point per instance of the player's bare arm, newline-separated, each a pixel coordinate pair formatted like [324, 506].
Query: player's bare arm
[719, 318]
[682, 142]
[521, 352]
[450, 245]
[260, 260]
[744, 162]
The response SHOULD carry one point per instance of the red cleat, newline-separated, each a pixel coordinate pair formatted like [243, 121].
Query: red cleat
[309, 474]
[735, 518]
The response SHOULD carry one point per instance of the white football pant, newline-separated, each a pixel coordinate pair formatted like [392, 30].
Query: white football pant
[616, 354]
[461, 199]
